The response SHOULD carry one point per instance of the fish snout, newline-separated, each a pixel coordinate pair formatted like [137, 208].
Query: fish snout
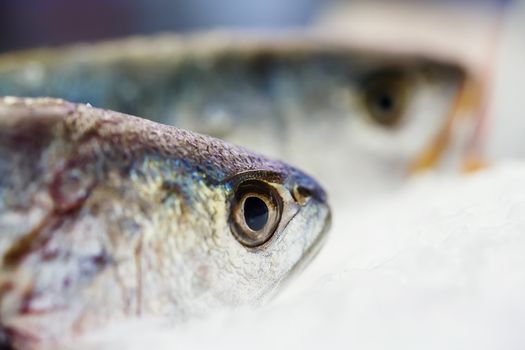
[304, 188]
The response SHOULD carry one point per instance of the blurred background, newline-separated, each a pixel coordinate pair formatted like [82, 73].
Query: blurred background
[28, 23]
[487, 36]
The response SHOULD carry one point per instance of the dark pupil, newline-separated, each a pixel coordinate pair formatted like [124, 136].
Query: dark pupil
[255, 213]
[385, 102]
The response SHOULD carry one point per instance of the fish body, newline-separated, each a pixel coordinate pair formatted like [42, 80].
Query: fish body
[297, 98]
[105, 216]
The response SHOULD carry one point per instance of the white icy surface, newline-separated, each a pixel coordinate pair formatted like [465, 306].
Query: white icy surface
[438, 265]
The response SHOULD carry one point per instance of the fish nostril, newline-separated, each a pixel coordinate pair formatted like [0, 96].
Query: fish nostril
[302, 194]
[306, 188]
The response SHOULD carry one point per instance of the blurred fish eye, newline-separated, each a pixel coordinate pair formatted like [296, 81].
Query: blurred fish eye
[255, 212]
[385, 96]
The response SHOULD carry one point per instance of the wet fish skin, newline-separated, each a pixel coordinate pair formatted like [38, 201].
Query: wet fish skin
[292, 90]
[106, 216]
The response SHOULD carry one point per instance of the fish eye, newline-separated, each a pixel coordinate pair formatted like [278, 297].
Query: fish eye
[385, 97]
[255, 212]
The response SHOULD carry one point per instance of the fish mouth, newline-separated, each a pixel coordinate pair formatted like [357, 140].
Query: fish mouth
[308, 255]
[313, 250]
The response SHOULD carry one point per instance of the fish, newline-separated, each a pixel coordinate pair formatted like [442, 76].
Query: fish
[337, 109]
[106, 217]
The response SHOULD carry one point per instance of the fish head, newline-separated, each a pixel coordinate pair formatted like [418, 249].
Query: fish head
[293, 207]
[413, 113]
[243, 228]
[381, 117]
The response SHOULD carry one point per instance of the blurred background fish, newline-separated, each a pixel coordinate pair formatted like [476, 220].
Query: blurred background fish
[338, 110]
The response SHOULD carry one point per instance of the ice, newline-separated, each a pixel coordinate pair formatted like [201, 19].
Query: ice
[439, 264]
